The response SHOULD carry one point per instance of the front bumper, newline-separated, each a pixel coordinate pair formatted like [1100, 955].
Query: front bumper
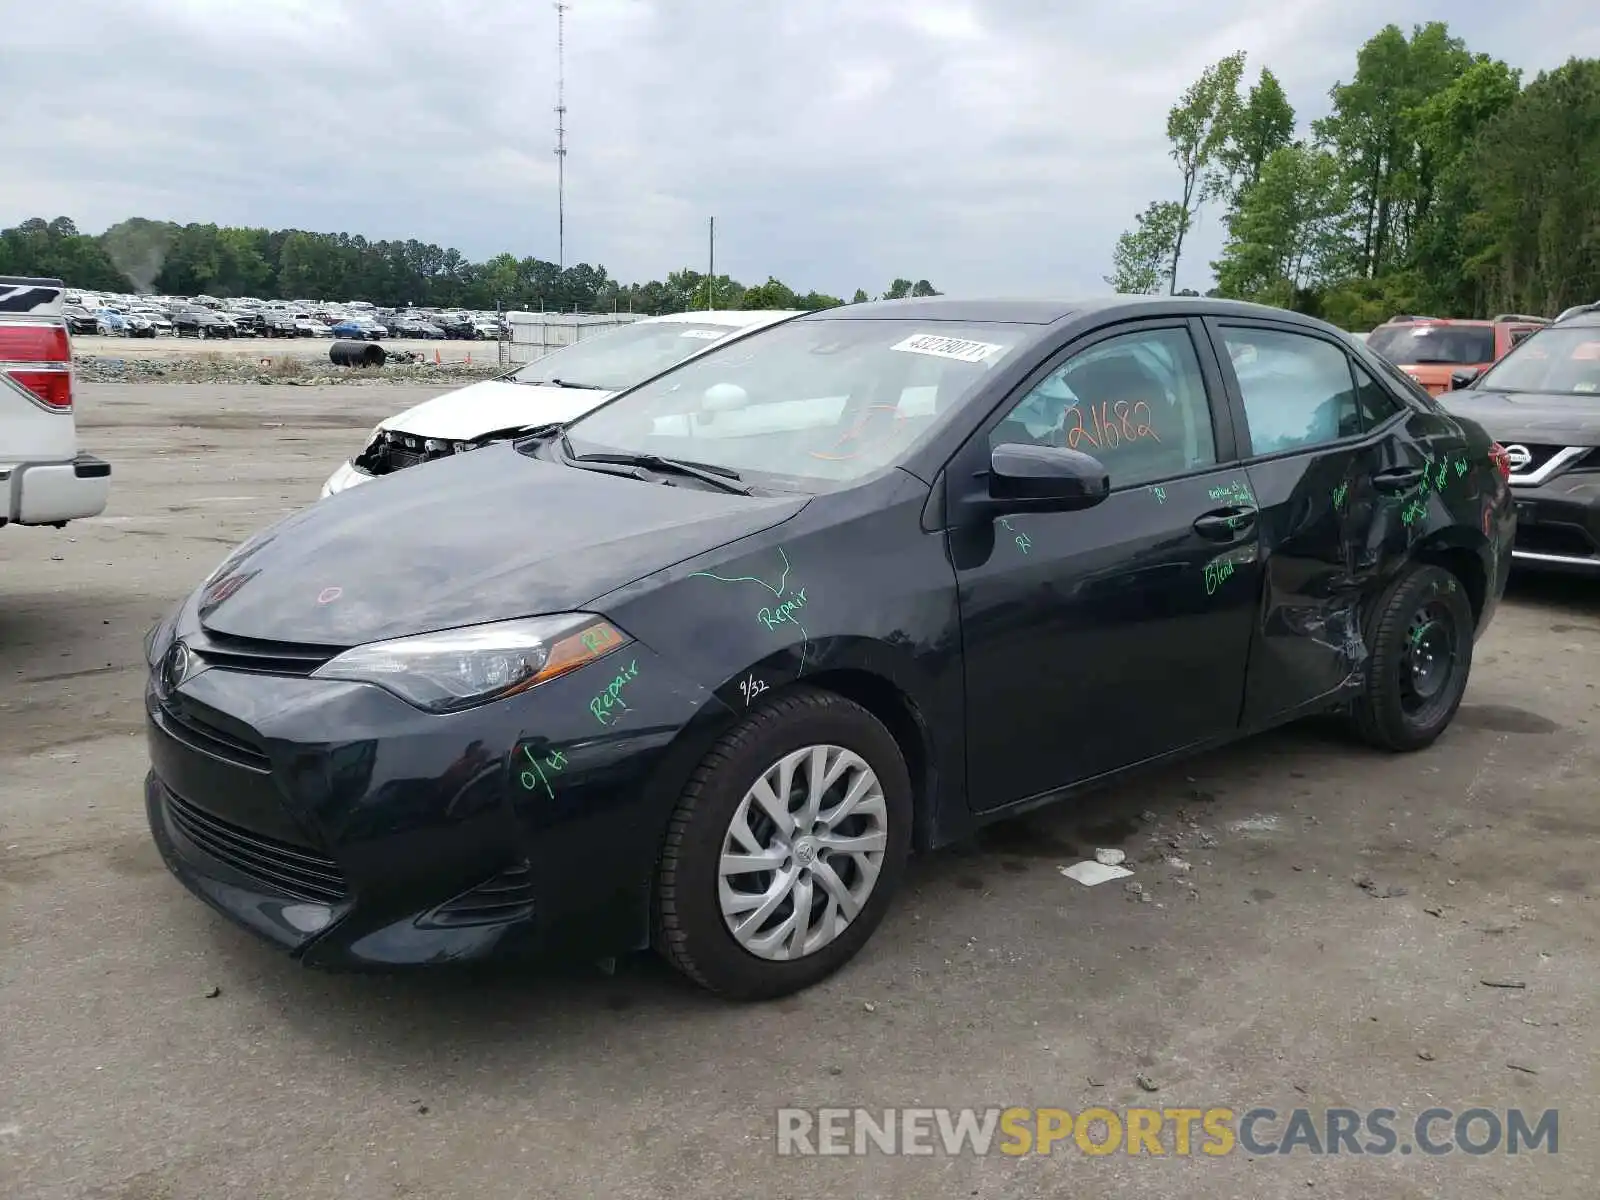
[354, 831]
[51, 493]
[1558, 524]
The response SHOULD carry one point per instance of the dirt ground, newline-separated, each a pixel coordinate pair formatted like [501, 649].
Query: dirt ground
[150, 1051]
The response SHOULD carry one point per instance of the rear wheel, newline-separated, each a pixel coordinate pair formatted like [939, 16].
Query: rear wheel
[1421, 658]
[785, 849]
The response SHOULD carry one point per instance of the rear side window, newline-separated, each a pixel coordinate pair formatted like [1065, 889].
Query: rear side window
[1297, 390]
[1376, 402]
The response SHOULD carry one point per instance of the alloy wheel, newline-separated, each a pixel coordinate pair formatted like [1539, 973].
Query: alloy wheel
[802, 852]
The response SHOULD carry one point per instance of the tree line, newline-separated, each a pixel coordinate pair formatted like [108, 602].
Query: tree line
[141, 255]
[1437, 184]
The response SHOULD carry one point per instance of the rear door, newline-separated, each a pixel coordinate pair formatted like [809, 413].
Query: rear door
[1343, 472]
[1096, 639]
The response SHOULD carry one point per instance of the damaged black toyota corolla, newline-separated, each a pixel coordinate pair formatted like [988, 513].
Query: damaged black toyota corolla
[701, 671]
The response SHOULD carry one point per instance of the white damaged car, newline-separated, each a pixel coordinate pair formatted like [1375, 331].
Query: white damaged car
[559, 387]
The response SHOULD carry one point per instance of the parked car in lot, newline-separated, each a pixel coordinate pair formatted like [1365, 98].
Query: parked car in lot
[160, 324]
[360, 329]
[279, 324]
[80, 319]
[751, 631]
[110, 323]
[305, 326]
[45, 479]
[200, 323]
[557, 387]
[1542, 402]
[1430, 349]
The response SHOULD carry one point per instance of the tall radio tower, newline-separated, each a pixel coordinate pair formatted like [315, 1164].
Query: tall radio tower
[561, 134]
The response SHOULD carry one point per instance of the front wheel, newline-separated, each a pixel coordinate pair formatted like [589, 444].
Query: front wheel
[1421, 656]
[785, 848]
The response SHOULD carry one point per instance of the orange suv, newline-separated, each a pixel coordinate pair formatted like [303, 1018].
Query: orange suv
[1430, 349]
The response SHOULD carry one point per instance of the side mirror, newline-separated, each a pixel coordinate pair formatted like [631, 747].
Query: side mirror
[1042, 479]
[1464, 377]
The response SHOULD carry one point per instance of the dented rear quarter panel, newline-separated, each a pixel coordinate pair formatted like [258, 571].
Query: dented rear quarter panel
[1333, 542]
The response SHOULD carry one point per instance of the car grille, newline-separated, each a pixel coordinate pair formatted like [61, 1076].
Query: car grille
[507, 897]
[294, 870]
[391, 451]
[260, 657]
[1541, 455]
[190, 723]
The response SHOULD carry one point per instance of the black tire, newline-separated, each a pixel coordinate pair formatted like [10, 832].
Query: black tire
[691, 932]
[1420, 637]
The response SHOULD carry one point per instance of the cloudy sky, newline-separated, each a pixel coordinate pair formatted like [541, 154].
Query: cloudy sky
[991, 146]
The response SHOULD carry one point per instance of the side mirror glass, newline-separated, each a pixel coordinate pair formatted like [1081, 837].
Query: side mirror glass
[1025, 478]
[1464, 377]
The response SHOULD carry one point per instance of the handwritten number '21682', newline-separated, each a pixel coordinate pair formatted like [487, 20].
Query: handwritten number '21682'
[1110, 424]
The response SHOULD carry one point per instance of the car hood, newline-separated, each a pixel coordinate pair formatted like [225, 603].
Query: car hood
[484, 536]
[493, 405]
[1532, 417]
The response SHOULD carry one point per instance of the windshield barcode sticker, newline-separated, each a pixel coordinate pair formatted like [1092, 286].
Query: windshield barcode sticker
[708, 334]
[947, 347]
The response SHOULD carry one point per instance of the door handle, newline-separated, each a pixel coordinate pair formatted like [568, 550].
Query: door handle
[1225, 524]
[1397, 479]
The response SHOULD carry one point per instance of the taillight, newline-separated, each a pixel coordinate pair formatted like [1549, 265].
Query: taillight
[1501, 460]
[37, 357]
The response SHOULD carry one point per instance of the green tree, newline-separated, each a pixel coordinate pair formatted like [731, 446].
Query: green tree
[1264, 123]
[1536, 172]
[1373, 129]
[1198, 127]
[771, 294]
[923, 288]
[1142, 261]
[1287, 234]
[898, 290]
[1446, 244]
[860, 297]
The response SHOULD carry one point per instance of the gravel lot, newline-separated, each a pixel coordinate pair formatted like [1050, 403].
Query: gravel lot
[1274, 980]
[260, 347]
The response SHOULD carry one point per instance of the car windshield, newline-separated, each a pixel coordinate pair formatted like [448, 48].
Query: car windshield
[1426, 345]
[1564, 361]
[812, 403]
[622, 357]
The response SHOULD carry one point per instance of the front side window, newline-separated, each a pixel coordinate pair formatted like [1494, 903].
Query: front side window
[1136, 402]
[809, 404]
[1563, 361]
[1297, 390]
[621, 357]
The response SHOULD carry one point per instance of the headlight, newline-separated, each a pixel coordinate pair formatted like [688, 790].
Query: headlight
[459, 668]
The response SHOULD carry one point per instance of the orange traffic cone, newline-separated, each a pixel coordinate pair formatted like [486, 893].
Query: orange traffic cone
[469, 358]
[436, 358]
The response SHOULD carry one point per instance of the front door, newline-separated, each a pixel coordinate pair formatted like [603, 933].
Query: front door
[1096, 639]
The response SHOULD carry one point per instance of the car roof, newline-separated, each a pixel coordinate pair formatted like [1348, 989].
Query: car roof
[1049, 312]
[734, 318]
[1586, 318]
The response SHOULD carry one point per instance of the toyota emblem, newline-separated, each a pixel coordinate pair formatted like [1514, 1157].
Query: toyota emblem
[1519, 457]
[175, 667]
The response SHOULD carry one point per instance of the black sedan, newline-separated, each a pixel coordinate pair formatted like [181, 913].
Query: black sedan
[1542, 401]
[702, 668]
